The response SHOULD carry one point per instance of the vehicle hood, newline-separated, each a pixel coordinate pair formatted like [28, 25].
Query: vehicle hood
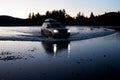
[58, 28]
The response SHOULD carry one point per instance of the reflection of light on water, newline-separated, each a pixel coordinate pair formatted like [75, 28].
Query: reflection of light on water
[55, 48]
[68, 50]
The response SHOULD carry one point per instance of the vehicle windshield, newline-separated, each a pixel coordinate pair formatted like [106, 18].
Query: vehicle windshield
[54, 25]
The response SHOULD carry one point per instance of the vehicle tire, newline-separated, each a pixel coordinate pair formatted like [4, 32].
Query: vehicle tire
[42, 33]
[50, 35]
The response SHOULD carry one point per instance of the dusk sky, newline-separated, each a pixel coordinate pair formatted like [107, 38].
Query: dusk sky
[21, 8]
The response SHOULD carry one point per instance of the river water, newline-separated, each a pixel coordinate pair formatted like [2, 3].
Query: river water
[89, 53]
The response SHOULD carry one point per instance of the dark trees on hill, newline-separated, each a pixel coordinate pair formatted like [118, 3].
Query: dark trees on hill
[107, 19]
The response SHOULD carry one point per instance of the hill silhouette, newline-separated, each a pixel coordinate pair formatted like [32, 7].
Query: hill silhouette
[107, 19]
[12, 21]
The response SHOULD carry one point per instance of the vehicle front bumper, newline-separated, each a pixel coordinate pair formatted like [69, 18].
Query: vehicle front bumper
[61, 35]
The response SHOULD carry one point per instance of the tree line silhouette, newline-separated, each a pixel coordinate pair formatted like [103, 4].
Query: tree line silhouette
[107, 19]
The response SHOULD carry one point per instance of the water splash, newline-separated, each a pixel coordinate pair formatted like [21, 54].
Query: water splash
[34, 34]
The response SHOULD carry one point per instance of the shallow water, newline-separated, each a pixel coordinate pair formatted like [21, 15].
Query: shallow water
[33, 33]
[90, 53]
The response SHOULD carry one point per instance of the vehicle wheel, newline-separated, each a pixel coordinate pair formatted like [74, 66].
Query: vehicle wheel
[42, 32]
[50, 34]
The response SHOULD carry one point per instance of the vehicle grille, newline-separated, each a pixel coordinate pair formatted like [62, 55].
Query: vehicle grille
[62, 31]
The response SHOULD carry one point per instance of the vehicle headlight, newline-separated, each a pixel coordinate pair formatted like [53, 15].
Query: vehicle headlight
[55, 31]
[68, 31]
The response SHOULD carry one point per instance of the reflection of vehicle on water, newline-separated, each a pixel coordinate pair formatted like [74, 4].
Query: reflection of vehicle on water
[53, 28]
[54, 47]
